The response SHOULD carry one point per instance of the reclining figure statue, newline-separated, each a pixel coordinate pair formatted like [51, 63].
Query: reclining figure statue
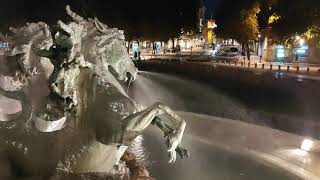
[75, 115]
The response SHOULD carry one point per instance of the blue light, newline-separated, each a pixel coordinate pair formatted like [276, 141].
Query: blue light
[280, 55]
[305, 47]
[4, 45]
[301, 51]
[280, 52]
[135, 47]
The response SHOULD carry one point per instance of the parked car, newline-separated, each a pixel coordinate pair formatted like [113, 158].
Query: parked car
[227, 53]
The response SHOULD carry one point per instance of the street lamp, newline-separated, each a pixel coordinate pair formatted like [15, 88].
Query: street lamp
[301, 42]
[260, 47]
[306, 145]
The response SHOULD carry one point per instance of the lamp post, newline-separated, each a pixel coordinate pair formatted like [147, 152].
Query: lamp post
[260, 48]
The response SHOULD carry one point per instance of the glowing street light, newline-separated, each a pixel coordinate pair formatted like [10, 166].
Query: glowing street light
[306, 145]
[301, 42]
[297, 38]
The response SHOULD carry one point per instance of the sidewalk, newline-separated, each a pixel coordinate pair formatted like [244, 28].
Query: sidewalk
[256, 59]
[254, 63]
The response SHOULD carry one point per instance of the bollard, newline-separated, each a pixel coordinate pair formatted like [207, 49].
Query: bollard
[298, 68]
[249, 65]
[235, 63]
[241, 64]
[308, 69]
[288, 68]
[270, 66]
[262, 66]
[225, 62]
[279, 68]
[318, 70]
[255, 65]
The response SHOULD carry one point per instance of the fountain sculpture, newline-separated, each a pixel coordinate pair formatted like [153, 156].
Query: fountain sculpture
[75, 115]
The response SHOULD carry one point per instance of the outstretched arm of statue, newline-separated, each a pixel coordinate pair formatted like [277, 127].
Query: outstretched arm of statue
[138, 122]
[167, 130]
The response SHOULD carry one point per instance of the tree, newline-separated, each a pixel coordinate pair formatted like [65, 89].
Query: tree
[240, 24]
[249, 27]
[294, 17]
[283, 20]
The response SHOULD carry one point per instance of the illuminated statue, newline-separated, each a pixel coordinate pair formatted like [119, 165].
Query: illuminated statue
[76, 116]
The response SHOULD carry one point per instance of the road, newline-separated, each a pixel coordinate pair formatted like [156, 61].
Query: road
[290, 105]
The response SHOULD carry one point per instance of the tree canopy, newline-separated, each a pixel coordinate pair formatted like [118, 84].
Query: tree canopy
[238, 20]
[280, 19]
[294, 17]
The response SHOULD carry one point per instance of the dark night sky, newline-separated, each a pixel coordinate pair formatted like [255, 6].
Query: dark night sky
[211, 6]
[112, 12]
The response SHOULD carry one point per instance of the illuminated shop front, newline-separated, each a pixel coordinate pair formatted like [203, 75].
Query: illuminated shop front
[280, 54]
[301, 53]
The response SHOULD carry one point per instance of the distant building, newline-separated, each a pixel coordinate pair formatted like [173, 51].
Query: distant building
[201, 16]
[208, 32]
